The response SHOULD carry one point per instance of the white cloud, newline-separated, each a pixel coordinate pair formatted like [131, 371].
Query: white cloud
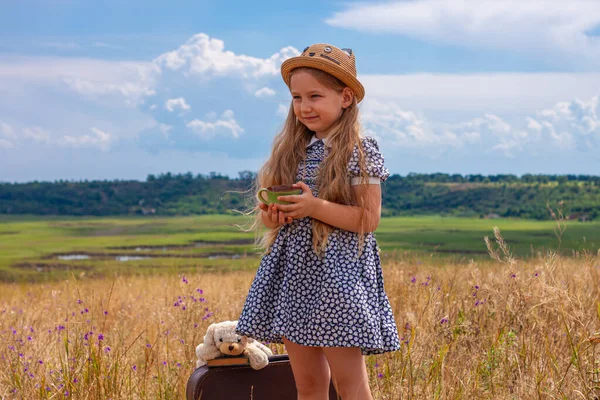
[133, 84]
[533, 125]
[264, 92]
[98, 138]
[7, 131]
[571, 124]
[497, 133]
[179, 102]
[37, 134]
[65, 96]
[49, 98]
[282, 110]
[5, 144]
[389, 122]
[164, 128]
[129, 83]
[202, 55]
[541, 27]
[568, 126]
[225, 124]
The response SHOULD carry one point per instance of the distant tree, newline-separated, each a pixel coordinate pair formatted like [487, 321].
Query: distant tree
[247, 175]
[184, 194]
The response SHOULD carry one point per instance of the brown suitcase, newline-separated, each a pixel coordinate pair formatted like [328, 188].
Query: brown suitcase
[273, 382]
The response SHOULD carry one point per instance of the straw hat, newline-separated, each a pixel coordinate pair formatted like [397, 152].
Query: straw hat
[337, 62]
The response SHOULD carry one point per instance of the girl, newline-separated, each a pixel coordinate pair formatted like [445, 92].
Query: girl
[319, 288]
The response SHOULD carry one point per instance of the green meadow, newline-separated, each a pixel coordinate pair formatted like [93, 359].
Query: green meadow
[39, 249]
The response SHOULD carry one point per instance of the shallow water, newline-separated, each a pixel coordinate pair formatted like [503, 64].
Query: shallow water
[74, 257]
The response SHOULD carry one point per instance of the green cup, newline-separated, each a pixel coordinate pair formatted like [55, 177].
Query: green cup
[275, 191]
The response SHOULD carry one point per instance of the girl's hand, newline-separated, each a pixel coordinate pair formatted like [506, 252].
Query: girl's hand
[274, 215]
[304, 204]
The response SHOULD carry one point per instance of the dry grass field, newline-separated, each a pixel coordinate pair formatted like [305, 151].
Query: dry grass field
[499, 329]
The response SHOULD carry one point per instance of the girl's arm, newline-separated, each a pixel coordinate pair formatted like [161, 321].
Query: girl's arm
[338, 215]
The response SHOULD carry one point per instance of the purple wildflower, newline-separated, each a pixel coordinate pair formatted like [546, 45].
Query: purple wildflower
[207, 316]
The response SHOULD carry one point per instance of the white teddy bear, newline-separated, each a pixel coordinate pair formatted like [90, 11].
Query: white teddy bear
[221, 339]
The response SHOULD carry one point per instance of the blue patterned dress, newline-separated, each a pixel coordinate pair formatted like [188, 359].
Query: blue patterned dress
[336, 300]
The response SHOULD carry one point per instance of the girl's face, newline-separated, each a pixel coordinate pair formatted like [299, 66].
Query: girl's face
[315, 105]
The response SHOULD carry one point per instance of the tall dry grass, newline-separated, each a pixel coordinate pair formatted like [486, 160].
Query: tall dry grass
[506, 329]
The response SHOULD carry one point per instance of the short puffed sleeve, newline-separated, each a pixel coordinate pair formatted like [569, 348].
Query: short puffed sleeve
[374, 164]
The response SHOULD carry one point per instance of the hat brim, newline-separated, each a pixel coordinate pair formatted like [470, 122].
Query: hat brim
[302, 61]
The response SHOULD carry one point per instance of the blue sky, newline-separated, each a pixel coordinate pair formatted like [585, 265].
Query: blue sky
[106, 90]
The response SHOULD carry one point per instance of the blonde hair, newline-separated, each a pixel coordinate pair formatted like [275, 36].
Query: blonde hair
[333, 181]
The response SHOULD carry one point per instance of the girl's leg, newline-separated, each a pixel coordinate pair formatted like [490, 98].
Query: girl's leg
[349, 372]
[310, 369]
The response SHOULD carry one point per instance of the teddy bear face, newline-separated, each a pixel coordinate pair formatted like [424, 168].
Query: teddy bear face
[228, 342]
[231, 348]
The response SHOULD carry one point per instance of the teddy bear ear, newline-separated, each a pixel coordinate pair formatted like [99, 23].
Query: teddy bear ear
[209, 338]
